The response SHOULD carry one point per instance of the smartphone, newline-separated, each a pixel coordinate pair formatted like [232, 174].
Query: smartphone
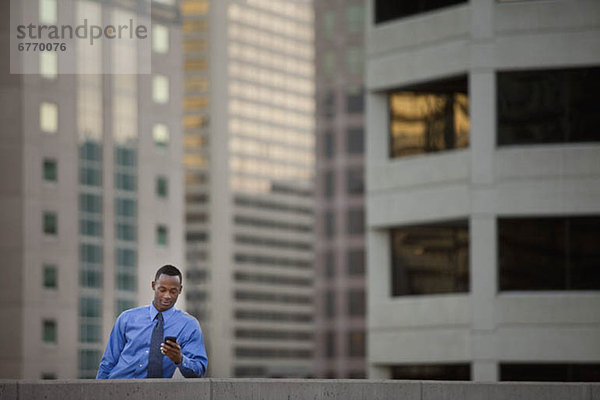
[171, 338]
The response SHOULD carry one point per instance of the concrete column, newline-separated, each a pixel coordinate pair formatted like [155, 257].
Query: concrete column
[482, 96]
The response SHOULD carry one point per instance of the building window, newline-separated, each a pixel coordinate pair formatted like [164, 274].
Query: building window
[125, 181]
[126, 281]
[126, 257]
[160, 134]
[355, 18]
[430, 259]
[90, 227]
[50, 222]
[355, 100]
[328, 66]
[49, 117]
[50, 170]
[126, 207]
[328, 144]
[160, 38]
[356, 303]
[330, 344]
[90, 151]
[355, 181]
[356, 222]
[90, 307]
[355, 60]
[122, 305]
[549, 253]
[50, 277]
[48, 376]
[161, 235]
[329, 260]
[90, 253]
[161, 187]
[49, 334]
[89, 176]
[90, 203]
[126, 232]
[90, 332]
[88, 361]
[430, 117]
[550, 372]
[548, 106]
[48, 64]
[48, 12]
[329, 222]
[160, 89]
[328, 184]
[125, 157]
[330, 304]
[386, 10]
[356, 344]
[355, 261]
[440, 372]
[329, 23]
[355, 142]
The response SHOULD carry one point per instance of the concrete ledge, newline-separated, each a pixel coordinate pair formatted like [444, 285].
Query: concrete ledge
[292, 389]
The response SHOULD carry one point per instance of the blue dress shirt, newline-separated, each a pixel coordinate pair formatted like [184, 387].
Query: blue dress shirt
[126, 354]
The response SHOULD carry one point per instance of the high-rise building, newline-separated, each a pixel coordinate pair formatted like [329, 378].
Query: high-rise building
[92, 194]
[483, 190]
[249, 140]
[340, 244]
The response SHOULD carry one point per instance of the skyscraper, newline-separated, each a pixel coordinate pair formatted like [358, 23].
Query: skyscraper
[340, 260]
[483, 190]
[249, 139]
[94, 200]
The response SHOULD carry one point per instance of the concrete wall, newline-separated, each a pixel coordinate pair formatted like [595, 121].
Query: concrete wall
[215, 389]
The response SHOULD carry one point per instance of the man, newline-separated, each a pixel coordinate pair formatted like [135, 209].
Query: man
[136, 347]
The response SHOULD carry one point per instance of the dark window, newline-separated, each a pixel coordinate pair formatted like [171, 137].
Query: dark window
[443, 372]
[533, 372]
[125, 181]
[355, 181]
[355, 260]
[329, 261]
[329, 224]
[90, 203]
[548, 106]
[355, 101]
[125, 157]
[386, 10]
[162, 188]
[356, 303]
[355, 141]
[356, 222]
[330, 344]
[91, 151]
[429, 117]
[50, 170]
[328, 184]
[49, 331]
[89, 176]
[50, 222]
[162, 235]
[356, 344]
[50, 277]
[328, 144]
[330, 304]
[430, 259]
[552, 253]
[329, 104]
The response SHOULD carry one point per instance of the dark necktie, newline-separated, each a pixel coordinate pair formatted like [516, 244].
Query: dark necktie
[155, 357]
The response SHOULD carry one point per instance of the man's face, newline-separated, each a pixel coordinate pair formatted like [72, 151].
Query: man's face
[166, 290]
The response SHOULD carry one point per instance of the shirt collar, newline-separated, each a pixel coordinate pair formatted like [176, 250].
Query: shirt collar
[166, 314]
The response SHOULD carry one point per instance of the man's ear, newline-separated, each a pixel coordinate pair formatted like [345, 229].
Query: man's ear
[180, 288]
[153, 285]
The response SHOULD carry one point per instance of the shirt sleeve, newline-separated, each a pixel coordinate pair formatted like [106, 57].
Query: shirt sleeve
[195, 361]
[115, 345]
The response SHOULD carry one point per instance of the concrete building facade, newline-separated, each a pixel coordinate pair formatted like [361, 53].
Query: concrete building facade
[340, 245]
[483, 190]
[249, 140]
[93, 203]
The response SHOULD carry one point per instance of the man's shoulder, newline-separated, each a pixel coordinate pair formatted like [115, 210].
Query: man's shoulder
[185, 316]
[134, 311]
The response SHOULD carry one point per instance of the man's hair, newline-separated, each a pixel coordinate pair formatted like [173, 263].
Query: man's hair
[169, 270]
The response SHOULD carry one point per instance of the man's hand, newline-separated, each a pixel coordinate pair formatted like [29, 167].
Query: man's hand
[172, 350]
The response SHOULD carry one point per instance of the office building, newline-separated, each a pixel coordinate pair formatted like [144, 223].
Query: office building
[340, 244]
[483, 190]
[249, 141]
[92, 201]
